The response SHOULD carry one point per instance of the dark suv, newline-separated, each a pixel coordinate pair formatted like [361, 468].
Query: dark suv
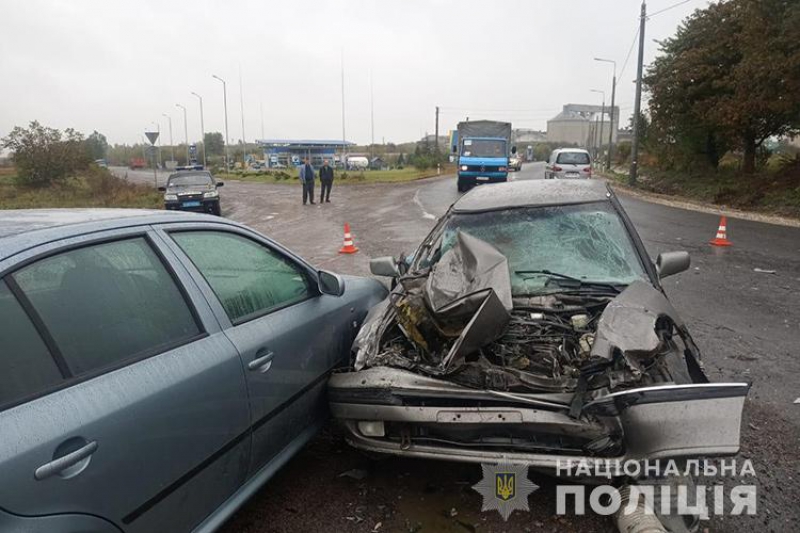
[192, 190]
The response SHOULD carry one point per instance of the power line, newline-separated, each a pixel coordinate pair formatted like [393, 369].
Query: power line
[630, 51]
[673, 6]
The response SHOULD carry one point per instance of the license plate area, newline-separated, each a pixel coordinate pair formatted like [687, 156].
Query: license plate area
[479, 417]
[193, 203]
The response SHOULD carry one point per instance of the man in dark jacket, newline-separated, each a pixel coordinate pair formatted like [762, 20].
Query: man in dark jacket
[326, 180]
[307, 179]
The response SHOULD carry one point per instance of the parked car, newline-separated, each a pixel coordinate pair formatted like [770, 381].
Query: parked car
[192, 190]
[568, 163]
[531, 327]
[157, 367]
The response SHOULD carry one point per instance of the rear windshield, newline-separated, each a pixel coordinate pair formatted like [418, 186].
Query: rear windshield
[190, 179]
[573, 158]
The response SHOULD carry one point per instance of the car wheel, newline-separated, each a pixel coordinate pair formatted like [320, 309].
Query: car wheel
[461, 187]
[216, 210]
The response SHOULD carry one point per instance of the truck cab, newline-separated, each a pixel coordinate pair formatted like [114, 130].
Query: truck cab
[483, 153]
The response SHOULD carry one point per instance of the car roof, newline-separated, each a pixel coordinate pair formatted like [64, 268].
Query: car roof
[21, 229]
[581, 150]
[532, 193]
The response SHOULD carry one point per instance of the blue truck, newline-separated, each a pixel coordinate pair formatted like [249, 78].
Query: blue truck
[482, 149]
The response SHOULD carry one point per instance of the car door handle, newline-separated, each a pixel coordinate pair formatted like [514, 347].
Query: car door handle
[262, 364]
[57, 466]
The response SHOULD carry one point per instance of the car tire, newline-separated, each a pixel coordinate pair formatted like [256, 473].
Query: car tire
[462, 187]
[215, 210]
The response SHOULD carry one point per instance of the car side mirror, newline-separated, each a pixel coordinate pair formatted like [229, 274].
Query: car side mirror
[514, 150]
[162, 189]
[670, 263]
[330, 283]
[220, 183]
[384, 266]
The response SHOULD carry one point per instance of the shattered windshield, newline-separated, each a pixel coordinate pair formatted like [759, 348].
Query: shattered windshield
[588, 242]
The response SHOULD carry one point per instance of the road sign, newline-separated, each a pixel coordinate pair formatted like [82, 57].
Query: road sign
[152, 136]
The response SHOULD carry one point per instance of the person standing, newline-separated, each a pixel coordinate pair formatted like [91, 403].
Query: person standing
[326, 182]
[307, 179]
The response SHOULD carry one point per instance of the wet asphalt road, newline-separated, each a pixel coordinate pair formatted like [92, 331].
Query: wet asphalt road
[746, 323]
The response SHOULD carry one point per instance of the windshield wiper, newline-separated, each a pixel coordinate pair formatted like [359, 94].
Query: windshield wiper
[580, 282]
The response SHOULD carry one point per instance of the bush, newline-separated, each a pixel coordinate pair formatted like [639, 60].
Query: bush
[44, 156]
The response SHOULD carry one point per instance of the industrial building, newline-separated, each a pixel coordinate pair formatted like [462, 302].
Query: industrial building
[287, 153]
[578, 124]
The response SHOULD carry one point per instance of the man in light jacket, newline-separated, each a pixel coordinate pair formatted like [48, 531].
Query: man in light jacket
[307, 179]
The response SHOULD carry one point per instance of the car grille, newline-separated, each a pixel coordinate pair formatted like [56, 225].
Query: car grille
[190, 197]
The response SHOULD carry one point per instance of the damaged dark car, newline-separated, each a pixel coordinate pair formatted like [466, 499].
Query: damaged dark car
[530, 327]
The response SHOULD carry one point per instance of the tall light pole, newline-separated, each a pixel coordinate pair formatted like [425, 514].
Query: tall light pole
[241, 106]
[225, 103]
[344, 135]
[637, 103]
[185, 131]
[202, 129]
[171, 143]
[613, 110]
[602, 117]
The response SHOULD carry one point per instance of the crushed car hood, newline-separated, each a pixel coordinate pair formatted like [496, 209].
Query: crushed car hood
[458, 319]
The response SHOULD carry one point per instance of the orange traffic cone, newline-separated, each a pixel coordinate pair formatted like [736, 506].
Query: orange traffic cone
[348, 247]
[722, 234]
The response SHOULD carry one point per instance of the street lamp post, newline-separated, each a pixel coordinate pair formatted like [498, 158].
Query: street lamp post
[613, 109]
[202, 128]
[185, 131]
[171, 143]
[225, 103]
[602, 117]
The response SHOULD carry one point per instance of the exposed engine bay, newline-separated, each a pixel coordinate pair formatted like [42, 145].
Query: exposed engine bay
[458, 321]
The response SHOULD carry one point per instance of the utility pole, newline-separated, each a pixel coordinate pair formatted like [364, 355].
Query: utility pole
[241, 105]
[202, 129]
[171, 142]
[637, 105]
[437, 129]
[185, 131]
[225, 103]
[612, 127]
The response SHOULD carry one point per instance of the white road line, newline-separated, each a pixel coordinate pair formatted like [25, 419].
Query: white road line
[425, 214]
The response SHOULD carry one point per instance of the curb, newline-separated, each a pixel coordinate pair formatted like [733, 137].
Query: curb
[701, 207]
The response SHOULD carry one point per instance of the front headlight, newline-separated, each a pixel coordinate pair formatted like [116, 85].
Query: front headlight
[210, 194]
[170, 197]
[464, 168]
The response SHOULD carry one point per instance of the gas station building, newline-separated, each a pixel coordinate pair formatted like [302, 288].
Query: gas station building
[290, 153]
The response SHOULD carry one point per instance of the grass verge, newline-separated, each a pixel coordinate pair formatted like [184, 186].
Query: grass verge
[775, 193]
[289, 176]
[94, 188]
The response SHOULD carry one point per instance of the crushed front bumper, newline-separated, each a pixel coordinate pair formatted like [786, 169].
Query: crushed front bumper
[394, 411]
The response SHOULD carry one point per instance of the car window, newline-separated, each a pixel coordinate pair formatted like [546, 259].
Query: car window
[249, 279]
[589, 242]
[26, 366]
[483, 148]
[107, 303]
[573, 158]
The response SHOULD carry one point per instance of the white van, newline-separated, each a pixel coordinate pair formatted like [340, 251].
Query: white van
[568, 163]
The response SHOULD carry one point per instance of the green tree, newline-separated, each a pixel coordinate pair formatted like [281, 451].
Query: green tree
[45, 155]
[96, 146]
[213, 143]
[730, 77]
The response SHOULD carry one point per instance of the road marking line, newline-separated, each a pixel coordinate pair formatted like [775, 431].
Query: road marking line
[425, 214]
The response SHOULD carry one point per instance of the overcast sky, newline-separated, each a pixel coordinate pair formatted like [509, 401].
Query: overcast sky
[118, 66]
